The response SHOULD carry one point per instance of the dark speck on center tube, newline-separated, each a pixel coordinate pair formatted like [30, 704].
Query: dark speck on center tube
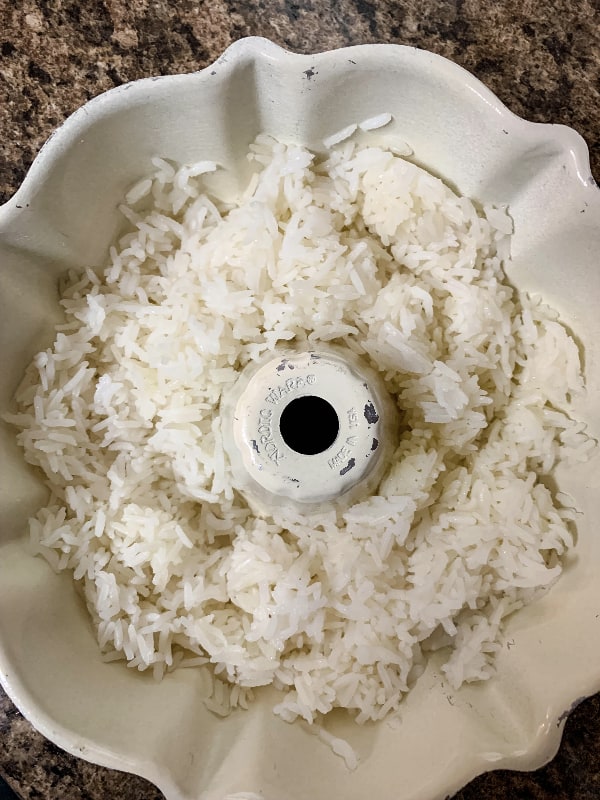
[370, 414]
[348, 466]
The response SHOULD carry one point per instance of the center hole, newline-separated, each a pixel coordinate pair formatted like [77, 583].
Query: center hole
[309, 425]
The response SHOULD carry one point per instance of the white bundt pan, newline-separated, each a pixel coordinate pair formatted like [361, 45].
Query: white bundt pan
[65, 215]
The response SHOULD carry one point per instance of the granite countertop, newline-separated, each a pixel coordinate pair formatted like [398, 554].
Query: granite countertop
[541, 58]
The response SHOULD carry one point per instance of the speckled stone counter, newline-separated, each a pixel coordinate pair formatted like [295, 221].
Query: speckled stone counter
[541, 58]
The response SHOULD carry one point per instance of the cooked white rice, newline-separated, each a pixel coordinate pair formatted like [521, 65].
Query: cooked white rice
[122, 415]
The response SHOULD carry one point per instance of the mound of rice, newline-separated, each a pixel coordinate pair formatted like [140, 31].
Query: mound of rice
[360, 248]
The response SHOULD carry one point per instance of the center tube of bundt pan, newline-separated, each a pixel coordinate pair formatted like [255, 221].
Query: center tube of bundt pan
[308, 429]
